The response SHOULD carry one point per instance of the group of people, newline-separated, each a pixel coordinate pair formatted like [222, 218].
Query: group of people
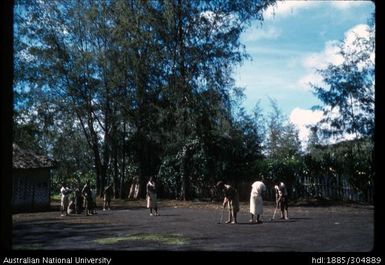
[84, 199]
[231, 200]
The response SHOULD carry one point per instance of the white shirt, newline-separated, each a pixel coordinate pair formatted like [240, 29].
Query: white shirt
[64, 191]
[257, 188]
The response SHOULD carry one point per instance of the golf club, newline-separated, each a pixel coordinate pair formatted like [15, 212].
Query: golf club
[221, 218]
[274, 212]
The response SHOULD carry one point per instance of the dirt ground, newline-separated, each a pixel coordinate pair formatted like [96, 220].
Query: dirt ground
[193, 226]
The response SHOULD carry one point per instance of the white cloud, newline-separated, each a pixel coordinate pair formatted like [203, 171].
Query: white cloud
[330, 54]
[302, 118]
[312, 78]
[314, 61]
[257, 33]
[360, 30]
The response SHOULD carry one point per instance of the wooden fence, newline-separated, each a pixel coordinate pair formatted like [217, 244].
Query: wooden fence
[309, 188]
[326, 188]
[306, 188]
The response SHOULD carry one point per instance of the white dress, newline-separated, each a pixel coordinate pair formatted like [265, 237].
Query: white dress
[256, 201]
[151, 195]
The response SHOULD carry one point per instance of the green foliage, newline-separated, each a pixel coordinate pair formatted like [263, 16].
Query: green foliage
[348, 106]
[118, 89]
[283, 150]
[348, 90]
[345, 161]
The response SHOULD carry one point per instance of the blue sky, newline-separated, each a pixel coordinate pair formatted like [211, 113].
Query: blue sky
[288, 46]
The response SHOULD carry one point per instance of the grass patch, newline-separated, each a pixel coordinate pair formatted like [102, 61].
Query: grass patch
[35, 246]
[167, 239]
[55, 198]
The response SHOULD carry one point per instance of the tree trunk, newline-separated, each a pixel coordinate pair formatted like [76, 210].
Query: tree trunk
[122, 173]
[116, 169]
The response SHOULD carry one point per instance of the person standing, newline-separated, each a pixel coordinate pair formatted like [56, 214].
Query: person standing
[231, 198]
[71, 205]
[107, 197]
[64, 194]
[87, 194]
[281, 199]
[256, 201]
[152, 200]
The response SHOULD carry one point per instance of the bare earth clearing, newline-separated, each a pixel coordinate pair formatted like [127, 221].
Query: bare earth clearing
[193, 226]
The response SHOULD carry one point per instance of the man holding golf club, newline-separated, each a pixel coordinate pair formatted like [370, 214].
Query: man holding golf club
[231, 198]
[256, 201]
[281, 199]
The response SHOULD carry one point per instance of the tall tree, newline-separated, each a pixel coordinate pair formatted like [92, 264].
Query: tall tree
[348, 91]
[202, 46]
[348, 97]
[283, 148]
[348, 103]
[63, 50]
[130, 76]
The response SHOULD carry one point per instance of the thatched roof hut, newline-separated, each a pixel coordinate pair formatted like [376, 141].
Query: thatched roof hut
[31, 175]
